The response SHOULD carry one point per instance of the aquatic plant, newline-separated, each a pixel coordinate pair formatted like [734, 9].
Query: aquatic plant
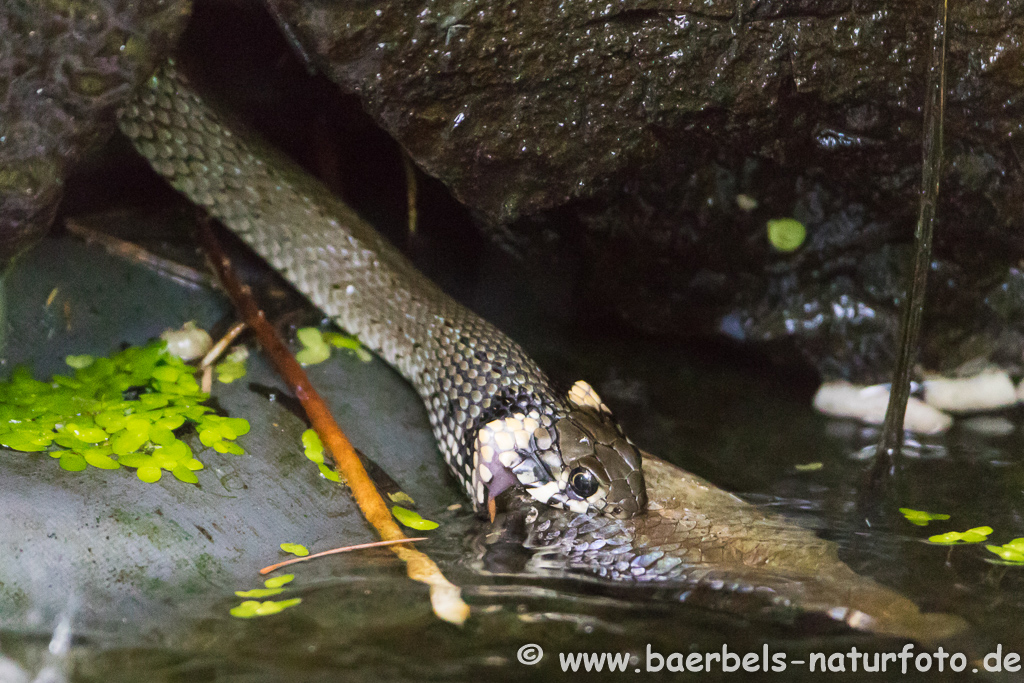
[786, 234]
[120, 411]
[975, 535]
[412, 519]
[920, 517]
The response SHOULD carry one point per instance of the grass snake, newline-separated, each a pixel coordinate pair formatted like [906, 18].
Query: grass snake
[497, 418]
[575, 484]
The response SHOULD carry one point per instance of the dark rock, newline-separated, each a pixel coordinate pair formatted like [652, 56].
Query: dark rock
[65, 68]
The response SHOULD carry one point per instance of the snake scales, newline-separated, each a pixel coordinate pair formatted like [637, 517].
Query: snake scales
[496, 417]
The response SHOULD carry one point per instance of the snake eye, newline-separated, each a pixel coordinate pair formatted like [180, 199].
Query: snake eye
[583, 482]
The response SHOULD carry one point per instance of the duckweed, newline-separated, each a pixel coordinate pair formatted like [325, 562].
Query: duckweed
[412, 519]
[295, 549]
[315, 347]
[278, 581]
[1011, 554]
[786, 234]
[233, 365]
[344, 341]
[314, 450]
[259, 592]
[116, 412]
[252, 608]
[920, 517]
[975, 535]
[313, 446]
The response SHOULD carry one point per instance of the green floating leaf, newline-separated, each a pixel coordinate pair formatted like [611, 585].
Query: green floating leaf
[975, 535]
[228, 447]
[343, 341]
[86, 434]
[809, 467]
[246, 610]
[97, 458]
[26, 443]
[278, 581]
[401, 497]
[786, 234]
[412, 519]
[228, 371]
[295, 549]
[274, 606]
[138, 460]
[259, 592]
[310, 336]
[312, 356]
[313, 446]
[72, 462]
[920, 517]
[329, 474]
[1011, 556]
[79, 362]
[182, 473]
[149, 474]
[314, 349]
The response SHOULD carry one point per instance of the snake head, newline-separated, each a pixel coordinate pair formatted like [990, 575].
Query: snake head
[602, 468]
[583, 463]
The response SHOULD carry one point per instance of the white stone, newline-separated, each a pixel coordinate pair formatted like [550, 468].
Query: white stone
[868, 404]
[989, 390]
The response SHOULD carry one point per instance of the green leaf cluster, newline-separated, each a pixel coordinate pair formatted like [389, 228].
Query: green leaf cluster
[316, 346]
[114, 412]
[314, 449]
[254, 608]
[921, 518]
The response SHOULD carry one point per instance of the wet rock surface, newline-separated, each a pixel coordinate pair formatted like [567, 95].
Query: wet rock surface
[641, 148]
[632, 139]
[65, 68]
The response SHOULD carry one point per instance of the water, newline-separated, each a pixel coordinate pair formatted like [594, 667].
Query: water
[729, 417]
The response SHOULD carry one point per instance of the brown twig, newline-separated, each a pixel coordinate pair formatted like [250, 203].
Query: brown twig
[133, 252]
[445, 597]
[222, 344]
[335, 551]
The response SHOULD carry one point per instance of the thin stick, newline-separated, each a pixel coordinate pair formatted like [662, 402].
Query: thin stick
[335, 551]
[222, 344]
[133, 252]
[910, 324]
[445, 597]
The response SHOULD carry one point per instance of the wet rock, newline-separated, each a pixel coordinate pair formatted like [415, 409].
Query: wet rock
[64, 70]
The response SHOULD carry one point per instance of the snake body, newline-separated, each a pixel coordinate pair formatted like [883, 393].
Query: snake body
[496, 417]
